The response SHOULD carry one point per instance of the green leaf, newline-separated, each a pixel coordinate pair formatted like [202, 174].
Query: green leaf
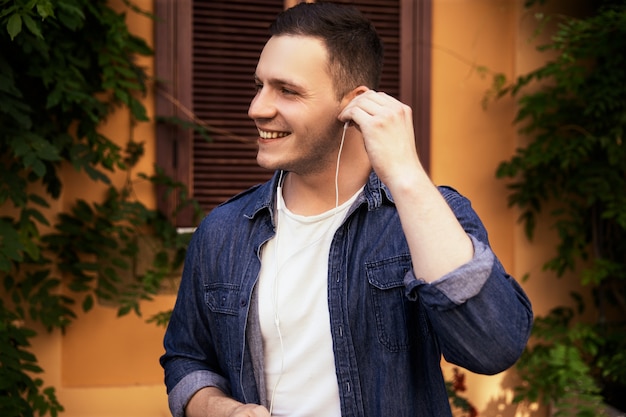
[10, 246]
[88, 303]
[14, 25]
[138, 110]
[45, 9]
[32, 26]
[39, 200]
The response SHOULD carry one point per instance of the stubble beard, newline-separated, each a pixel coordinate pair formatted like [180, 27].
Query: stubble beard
[319, 153]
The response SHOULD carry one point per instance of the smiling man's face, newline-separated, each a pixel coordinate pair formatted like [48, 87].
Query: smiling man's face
[295, 108]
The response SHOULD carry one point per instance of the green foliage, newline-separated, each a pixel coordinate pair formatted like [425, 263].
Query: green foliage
[64, 67]
[575, 163]
[21, 393]
[557, 370]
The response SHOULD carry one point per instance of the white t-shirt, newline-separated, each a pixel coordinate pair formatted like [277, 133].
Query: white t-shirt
[293, 313]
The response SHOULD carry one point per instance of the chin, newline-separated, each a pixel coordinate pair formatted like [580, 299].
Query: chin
[267, 163]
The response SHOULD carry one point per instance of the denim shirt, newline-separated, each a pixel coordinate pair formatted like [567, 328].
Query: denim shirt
[389, 327]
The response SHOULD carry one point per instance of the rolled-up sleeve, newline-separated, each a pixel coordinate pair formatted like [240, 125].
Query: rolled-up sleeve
[459, 285]
[182, 392]
[480, 315]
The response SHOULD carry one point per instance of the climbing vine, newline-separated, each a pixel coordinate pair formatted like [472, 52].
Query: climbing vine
[65, 66]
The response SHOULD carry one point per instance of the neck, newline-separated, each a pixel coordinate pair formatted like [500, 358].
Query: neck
[315, 193]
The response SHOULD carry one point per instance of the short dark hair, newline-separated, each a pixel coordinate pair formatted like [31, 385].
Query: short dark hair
[355, 51]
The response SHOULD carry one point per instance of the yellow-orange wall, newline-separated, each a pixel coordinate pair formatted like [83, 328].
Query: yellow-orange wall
[469, 141]
[106, 366]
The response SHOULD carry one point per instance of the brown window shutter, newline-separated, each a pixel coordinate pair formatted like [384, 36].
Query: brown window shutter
[228, 37]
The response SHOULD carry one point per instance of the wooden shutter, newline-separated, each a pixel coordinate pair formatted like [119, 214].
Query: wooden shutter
[228, 37]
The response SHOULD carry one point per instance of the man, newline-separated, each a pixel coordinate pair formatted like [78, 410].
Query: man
[333, 289]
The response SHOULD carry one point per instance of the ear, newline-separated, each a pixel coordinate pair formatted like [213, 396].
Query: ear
[347, 98]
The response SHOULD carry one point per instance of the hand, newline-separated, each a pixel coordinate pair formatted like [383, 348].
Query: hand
[386, 125]
[212, 402]
[250, 410]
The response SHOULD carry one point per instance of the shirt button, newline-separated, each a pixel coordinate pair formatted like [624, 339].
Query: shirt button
[243, 302]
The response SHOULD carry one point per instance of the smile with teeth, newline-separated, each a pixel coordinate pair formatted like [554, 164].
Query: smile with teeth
[272, 135]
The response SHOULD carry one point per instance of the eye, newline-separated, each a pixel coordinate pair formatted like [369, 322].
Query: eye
[288, 92]
[258, 86]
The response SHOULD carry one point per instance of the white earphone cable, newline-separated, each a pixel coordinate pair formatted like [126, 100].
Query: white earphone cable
[343, 138]
[277, 269]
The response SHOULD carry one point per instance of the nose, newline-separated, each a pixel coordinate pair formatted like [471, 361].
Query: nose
[262, 105]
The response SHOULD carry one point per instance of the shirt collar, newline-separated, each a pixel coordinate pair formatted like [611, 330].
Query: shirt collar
[375, 194]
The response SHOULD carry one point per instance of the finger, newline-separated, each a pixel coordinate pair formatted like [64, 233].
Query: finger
[359, 111]
[250, 410]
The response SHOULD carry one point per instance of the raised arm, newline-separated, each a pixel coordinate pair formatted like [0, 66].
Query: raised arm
[437, 242]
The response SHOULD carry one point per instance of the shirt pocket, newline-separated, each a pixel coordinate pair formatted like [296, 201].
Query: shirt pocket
[223, 303]
[223, 298]
[389, 305]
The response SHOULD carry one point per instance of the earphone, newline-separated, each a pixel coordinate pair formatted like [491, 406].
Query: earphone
[277, 268]
[343, 138]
